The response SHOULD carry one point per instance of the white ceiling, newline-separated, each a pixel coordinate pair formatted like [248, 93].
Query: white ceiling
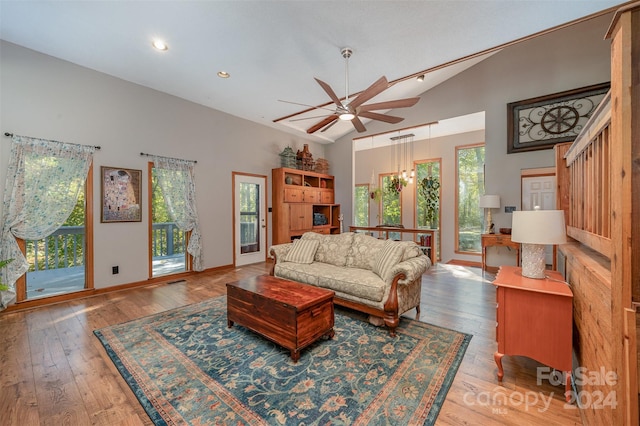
[274, 49]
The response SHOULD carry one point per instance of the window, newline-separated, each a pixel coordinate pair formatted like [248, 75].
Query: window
[470, 182]
[361, 205]
[58, 262]
[168, 242]
[391, 201]
[428, 194]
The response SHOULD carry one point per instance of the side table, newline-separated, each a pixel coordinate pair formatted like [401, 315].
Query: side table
[534, 319]
[497, 240]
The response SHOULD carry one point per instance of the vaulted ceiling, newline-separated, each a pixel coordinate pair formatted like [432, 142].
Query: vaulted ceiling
[274, 49]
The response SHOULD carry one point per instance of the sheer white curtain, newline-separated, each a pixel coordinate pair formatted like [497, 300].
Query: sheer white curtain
[44, 179]
[177, 181]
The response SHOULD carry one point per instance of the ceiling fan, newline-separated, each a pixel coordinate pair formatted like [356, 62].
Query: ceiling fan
[353, 109]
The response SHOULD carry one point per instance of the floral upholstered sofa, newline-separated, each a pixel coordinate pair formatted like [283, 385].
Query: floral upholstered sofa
[382, 278]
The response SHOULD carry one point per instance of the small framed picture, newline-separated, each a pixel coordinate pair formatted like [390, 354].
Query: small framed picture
[542, 122]
[121, 190]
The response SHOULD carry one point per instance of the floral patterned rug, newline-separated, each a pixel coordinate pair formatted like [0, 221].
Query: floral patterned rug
[187, 367]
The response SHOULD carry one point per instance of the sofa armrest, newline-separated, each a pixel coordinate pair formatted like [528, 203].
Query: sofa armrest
[412, 269]
[279, 251]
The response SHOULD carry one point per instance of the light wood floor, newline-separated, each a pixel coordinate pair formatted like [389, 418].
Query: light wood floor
[54, 371]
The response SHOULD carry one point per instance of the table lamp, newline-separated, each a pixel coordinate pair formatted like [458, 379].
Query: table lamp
[534, 229]
[489, 202]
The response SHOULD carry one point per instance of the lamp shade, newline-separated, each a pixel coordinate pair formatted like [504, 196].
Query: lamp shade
[489, 202]
[538, 227]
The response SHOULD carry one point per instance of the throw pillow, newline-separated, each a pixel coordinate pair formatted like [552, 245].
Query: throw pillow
[333, 248]
[387, 258]
[303, 251]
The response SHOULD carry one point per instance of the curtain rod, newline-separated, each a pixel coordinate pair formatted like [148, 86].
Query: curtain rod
[77, 144]
[168, 158]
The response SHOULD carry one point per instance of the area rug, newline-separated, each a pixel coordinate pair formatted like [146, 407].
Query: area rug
[186, 366]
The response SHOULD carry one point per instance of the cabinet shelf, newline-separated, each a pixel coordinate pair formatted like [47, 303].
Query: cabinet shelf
[303, 201]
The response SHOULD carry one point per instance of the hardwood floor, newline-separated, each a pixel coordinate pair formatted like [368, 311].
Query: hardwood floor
[54, 371]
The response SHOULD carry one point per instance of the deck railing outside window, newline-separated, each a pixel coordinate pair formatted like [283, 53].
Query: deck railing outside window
[65, 247]
[168, 239]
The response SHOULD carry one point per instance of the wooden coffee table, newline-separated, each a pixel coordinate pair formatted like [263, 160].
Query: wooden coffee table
[291, 314]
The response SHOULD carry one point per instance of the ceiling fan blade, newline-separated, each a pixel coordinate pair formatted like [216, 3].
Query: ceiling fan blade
[358, 125]
[399, 103]
[376, 88]
[320, 124]
[307, 105]
[380, 117]
[328, 126]
[330, 92]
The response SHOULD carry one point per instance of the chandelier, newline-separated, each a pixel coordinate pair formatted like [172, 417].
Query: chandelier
[403, 160]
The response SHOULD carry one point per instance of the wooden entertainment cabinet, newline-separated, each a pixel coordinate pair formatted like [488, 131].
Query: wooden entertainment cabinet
[298, 196]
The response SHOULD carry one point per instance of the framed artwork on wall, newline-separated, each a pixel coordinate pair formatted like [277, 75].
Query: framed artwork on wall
[540, 123]
[121, 190]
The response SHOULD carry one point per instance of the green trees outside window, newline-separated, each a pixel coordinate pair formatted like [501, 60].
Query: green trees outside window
[391, 208]
[64, 248]
[428, 194]
[470, 174]
[361, 205]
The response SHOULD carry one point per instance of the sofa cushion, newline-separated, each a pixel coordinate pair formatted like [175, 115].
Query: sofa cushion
[364, 251]
[332, 249]
[360, 283]
[388, 257]
[411, 250]
[303, 251]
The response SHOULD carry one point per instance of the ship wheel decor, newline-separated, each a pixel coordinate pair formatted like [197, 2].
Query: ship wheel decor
[542, 122]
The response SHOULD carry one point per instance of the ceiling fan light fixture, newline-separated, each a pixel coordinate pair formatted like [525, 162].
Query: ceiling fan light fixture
[346, 116]
[159, 45]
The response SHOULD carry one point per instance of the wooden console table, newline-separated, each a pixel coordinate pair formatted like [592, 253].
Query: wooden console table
[383, 232]
[534, 319]
[497, 240]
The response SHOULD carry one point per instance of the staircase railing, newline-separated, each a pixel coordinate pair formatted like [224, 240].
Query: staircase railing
[588, 162]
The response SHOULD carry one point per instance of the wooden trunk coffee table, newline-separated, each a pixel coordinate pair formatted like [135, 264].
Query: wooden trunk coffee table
[288, 313]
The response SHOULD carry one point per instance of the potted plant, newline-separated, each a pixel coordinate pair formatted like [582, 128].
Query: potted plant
[376, 194]
[429, 188]
[395, 184]
[4, 263]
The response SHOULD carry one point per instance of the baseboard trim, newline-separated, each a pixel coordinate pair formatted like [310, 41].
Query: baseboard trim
[470, 263]
[89, 292]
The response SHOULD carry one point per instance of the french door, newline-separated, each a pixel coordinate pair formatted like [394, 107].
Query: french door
[249, 218]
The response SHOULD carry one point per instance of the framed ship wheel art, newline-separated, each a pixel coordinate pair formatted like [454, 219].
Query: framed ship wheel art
[539, 123]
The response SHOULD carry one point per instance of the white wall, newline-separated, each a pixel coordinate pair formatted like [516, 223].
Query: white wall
[574, 57]
[53, 99]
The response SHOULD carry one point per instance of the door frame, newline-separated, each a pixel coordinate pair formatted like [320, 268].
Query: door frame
[234, 176]
[534, 173]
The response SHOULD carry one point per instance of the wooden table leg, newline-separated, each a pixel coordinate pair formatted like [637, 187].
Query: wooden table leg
[484, 258]
[567, 388]
[498, 357]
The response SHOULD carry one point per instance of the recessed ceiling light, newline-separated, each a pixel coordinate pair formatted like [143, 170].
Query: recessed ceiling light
[223, 74]
[160, 45]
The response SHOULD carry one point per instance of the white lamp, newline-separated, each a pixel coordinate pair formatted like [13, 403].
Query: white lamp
[489, 202]
[535, 229]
